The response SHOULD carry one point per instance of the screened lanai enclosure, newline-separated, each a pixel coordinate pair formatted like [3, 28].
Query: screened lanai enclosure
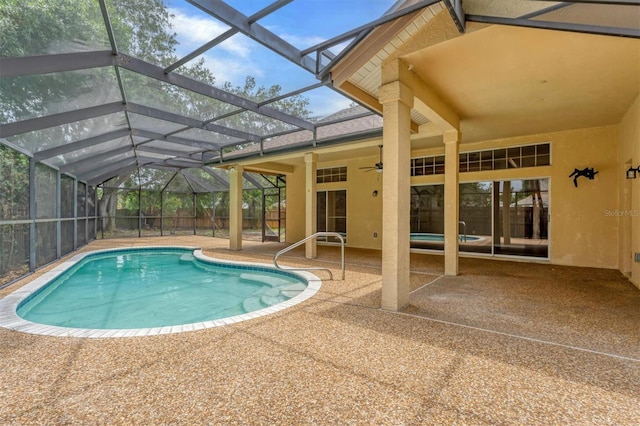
[113, 121]
[117, 121]
[47, 214]
[119, 118]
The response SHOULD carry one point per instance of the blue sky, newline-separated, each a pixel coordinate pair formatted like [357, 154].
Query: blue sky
[302, 23]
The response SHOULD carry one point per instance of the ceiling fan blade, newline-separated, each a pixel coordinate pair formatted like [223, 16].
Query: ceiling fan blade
[377, 166]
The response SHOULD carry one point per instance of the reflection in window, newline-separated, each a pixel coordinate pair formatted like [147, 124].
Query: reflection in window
[480, 161]
[521, 225]
[332, 213]
[500, 217]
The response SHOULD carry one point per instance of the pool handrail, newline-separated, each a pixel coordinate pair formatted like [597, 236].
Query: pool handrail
[464, 229]
[304, 240]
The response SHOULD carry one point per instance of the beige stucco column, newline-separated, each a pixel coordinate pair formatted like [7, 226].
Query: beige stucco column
[235, 207]
[397, 100]
[506, 212]
[451, 141]
[311, 201]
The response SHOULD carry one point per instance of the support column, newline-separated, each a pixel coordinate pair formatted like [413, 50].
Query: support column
[311, 204]
[506, 212]
[397, 100]
[451, 140]
[235, 207]
[32, 214]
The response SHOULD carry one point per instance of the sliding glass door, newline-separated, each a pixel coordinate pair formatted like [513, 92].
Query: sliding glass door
[507, 217]
[332, 213]
[475, 217]
[521, 218]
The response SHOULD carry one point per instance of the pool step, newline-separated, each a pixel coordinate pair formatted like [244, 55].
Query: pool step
[271, 296]
[262, 279]
[293, 290]
[253, 304]
[187, 258]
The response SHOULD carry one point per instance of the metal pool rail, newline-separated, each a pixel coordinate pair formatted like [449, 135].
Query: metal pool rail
[310, 237]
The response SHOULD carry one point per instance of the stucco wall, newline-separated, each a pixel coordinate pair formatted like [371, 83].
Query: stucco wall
[364, 210]
[583, 229]
[294, 231]
[584, 225]
[629, 193]
[581, 233]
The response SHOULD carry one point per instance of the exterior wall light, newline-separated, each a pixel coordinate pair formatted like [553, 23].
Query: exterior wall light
[633, 173]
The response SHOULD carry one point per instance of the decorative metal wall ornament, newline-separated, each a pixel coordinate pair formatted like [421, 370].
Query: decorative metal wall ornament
[587, 172]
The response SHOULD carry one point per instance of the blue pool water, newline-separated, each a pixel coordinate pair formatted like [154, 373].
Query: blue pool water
[154, 288]
[439, 237]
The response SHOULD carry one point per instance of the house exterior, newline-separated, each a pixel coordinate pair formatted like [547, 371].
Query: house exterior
[473, 122]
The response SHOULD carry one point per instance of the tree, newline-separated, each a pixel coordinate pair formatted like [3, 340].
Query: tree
[14, 205]
[142, 29]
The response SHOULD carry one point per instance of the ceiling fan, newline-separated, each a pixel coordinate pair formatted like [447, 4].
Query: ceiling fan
[378, 166]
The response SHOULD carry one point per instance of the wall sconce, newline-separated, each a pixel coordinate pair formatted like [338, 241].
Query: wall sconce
[375, 193]
[633, 173]
[232, 169]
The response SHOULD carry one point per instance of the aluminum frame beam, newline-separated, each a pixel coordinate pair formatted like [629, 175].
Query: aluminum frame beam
[125, 168]
[235, 19]
[203, 145]
[252, 180]
[83, 165]
[606, 2]
[190, 122]
[559, 26]
[227, 34]
[81, 144]
[146, 161]
[46, 64]
[457, 13]
[141, 67]
[199, 181]
[52, 120]
[376, 23]
[165, 151]
[216, 177]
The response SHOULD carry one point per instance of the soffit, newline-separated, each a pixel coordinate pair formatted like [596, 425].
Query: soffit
[507, 81]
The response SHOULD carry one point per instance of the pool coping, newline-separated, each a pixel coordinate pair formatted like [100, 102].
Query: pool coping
[10, 320]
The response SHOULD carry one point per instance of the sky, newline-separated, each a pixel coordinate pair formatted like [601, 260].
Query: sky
[303, 23]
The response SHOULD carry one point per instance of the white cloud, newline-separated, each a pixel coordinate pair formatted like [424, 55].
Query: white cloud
[194, 31]
[229, 69]
[302, 42]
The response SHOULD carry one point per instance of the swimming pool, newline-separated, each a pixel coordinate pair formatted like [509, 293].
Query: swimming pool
[439, 237]
[152, 290]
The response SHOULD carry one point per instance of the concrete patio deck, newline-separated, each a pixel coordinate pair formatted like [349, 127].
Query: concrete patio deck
[503, 343]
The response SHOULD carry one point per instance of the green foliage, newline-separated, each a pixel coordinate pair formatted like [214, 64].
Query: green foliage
[142, 28]
[38, 27]
[14, 184]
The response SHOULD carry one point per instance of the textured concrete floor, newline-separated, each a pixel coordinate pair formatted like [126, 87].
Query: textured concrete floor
[503, 343]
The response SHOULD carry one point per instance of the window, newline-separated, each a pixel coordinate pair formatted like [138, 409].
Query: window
[331, 174]
[332, 213]
[480, 161]
[427, 166]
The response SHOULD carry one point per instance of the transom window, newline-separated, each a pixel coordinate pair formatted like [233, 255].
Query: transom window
[331, 174]
[495, 159]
